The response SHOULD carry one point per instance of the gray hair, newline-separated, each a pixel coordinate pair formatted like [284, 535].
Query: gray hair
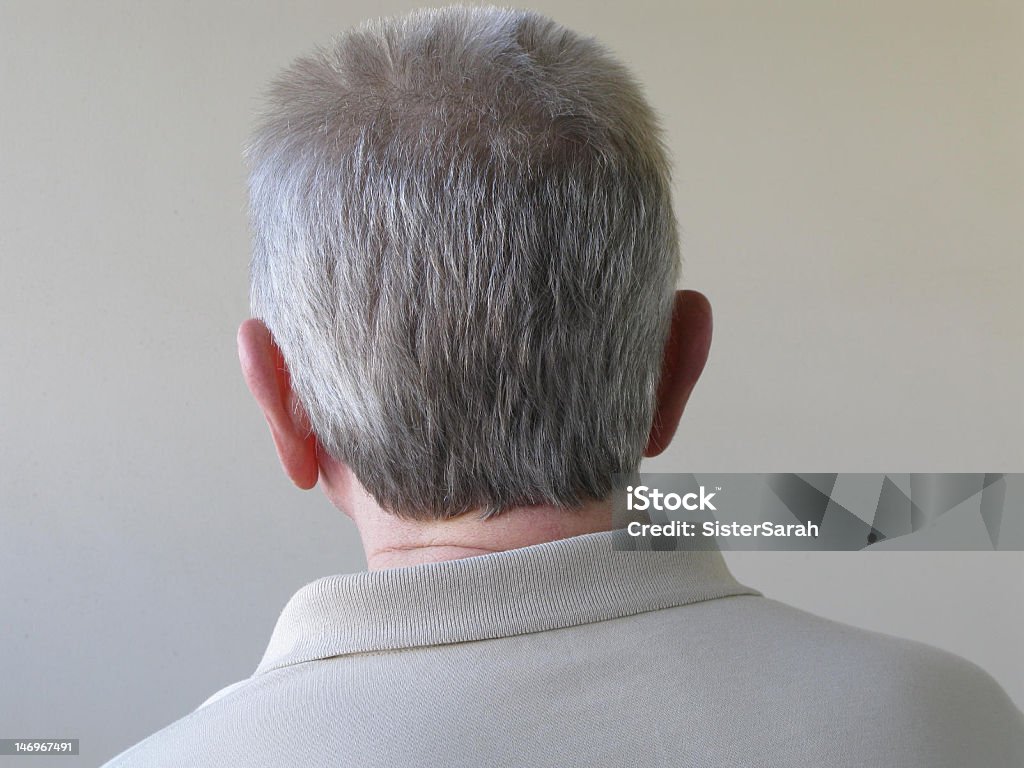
[465, 248]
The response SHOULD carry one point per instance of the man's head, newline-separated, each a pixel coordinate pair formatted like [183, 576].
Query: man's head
[465, 253]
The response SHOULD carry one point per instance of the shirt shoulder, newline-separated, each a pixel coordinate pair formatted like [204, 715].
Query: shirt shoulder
[953, 712]
[897, 697]
[720, 682]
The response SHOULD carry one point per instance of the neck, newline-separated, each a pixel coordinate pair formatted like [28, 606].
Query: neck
[394, 542]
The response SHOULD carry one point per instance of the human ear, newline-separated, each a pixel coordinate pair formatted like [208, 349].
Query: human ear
[268, 380]
[686, 352]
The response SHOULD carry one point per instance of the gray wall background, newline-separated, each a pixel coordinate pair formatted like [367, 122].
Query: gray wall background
[849, 181]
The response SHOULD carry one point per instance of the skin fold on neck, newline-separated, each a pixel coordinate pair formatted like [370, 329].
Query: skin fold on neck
[393, 542]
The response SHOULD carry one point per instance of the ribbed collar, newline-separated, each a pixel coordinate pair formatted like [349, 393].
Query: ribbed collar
[548, 586]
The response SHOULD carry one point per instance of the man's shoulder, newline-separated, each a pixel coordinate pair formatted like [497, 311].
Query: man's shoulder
[886, 693]
[183, 741]
[740, 676]
[768, 632]
[942, 708]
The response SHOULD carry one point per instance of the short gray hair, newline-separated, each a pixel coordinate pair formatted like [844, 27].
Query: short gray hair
[465, 248]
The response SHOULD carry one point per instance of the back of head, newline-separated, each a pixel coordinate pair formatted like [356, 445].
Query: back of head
[465, 248]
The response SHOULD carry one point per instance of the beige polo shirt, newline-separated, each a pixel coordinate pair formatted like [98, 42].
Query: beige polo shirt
[570, 653]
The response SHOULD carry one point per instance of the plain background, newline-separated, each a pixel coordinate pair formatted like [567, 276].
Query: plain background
[849, 184]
